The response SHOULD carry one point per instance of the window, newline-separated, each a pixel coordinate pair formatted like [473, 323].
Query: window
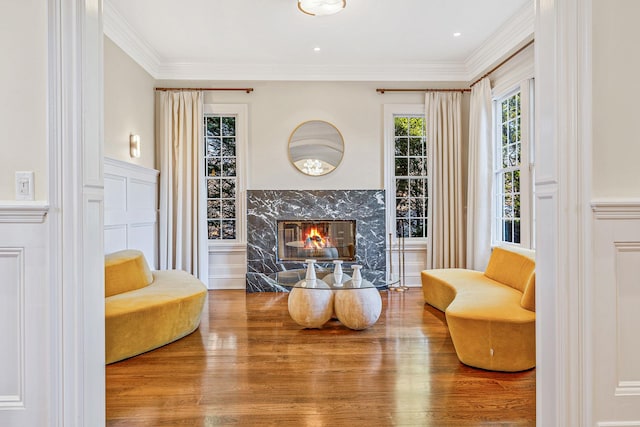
[512, 183]
[407, 182]
[224, 184]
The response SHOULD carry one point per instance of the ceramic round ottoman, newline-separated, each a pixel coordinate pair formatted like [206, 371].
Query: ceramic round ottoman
[357, 308]
[310, 307]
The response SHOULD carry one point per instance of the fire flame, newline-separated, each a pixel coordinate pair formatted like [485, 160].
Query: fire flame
[314, 239]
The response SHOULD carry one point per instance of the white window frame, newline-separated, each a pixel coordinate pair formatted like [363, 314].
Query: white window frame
[241, 112]
[527, 223]
[390, 111]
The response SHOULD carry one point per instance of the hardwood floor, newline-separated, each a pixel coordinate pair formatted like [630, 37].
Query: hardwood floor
[249, 364]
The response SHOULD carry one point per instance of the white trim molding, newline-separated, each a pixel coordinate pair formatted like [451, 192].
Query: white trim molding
[517, 32]
[616, 209]
[121, 33]
[23, 212]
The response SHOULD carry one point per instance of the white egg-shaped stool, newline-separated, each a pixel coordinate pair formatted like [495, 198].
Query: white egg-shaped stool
[311, 307]
[357, 308]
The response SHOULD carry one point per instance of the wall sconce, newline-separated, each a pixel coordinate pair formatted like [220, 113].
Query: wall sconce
[134, 145]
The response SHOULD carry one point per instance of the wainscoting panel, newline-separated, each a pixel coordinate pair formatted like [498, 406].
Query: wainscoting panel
[227, 265]
[616, 303]
[25, 324]
[415, 260]
[12, 320]
[131, 209]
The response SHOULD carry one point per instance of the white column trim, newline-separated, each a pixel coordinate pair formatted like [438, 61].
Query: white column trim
[76, 263]
[563, 189]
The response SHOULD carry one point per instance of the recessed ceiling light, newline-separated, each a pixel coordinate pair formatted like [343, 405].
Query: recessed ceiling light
[457, 34]
[316, 49]
[321, 7]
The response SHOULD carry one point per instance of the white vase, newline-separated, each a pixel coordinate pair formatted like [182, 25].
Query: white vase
[310, 280]
[356, 280]
[337, 272]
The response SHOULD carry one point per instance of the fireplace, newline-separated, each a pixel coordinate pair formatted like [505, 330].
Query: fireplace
[360, 212]
[323, 240]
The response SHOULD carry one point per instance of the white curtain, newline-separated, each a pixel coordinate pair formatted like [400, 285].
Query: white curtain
[480, 177]
[182, 234]
[446, 227]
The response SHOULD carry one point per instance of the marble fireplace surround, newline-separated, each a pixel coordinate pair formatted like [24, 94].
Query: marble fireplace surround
[266, 207]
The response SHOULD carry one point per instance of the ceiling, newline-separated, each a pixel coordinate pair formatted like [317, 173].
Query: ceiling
[403, 40]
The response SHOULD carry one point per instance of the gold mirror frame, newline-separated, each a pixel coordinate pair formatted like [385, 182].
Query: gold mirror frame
[316, 147]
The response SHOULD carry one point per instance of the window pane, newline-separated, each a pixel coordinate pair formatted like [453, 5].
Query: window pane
[401, 126]
[418, 188]
[516, 231]
[401, 146]
[228, 229]
[229, 166]
[401, 167]
[402, 208]
[402, 187]
[213, 167]
[416, 126]
[513, 155]
[508, 206]
[228, 188]
[416, 208]
[213, 126]
[402, 228]
[228, 126]
[214, 229]
[212, 147]
[516, 181]
[416, 167]
[228, 209]
[213, 188]
[213, 209]
[229, 147]
[416, 147]
[516, 205]
[507, 186]
[417, 228]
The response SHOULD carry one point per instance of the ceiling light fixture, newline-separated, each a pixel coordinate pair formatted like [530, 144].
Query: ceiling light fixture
[457, 34]
[321, 7]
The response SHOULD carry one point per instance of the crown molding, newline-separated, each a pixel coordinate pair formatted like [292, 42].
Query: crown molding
[300, 72]
[21, 212]
[122, 34]
[518, 31]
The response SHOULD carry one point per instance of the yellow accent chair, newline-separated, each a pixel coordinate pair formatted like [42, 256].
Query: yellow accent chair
[147, 309]
[491, 314]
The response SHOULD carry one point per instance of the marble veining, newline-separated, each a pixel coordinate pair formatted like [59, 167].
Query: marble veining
[266, 207]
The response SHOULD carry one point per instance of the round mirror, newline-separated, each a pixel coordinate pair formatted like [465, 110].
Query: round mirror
[316, 147]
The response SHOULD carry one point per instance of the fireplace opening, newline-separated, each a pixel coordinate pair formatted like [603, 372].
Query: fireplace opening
[318, 239]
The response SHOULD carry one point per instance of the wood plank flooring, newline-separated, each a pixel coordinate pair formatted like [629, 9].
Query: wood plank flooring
[249, 364]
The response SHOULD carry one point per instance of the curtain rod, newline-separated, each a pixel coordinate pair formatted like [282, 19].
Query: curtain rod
[502, 63]
[243, 89]
[381, 90]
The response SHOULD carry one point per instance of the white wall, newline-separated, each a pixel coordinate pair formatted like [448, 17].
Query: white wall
[616, 90]
[23, 110]
[128, 107]
[615, 372]
[276, 108]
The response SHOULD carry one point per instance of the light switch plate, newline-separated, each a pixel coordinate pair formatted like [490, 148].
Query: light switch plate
[24, 185]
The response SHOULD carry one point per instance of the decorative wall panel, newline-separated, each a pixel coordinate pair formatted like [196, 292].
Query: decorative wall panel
[616, 314]
[130, 209]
